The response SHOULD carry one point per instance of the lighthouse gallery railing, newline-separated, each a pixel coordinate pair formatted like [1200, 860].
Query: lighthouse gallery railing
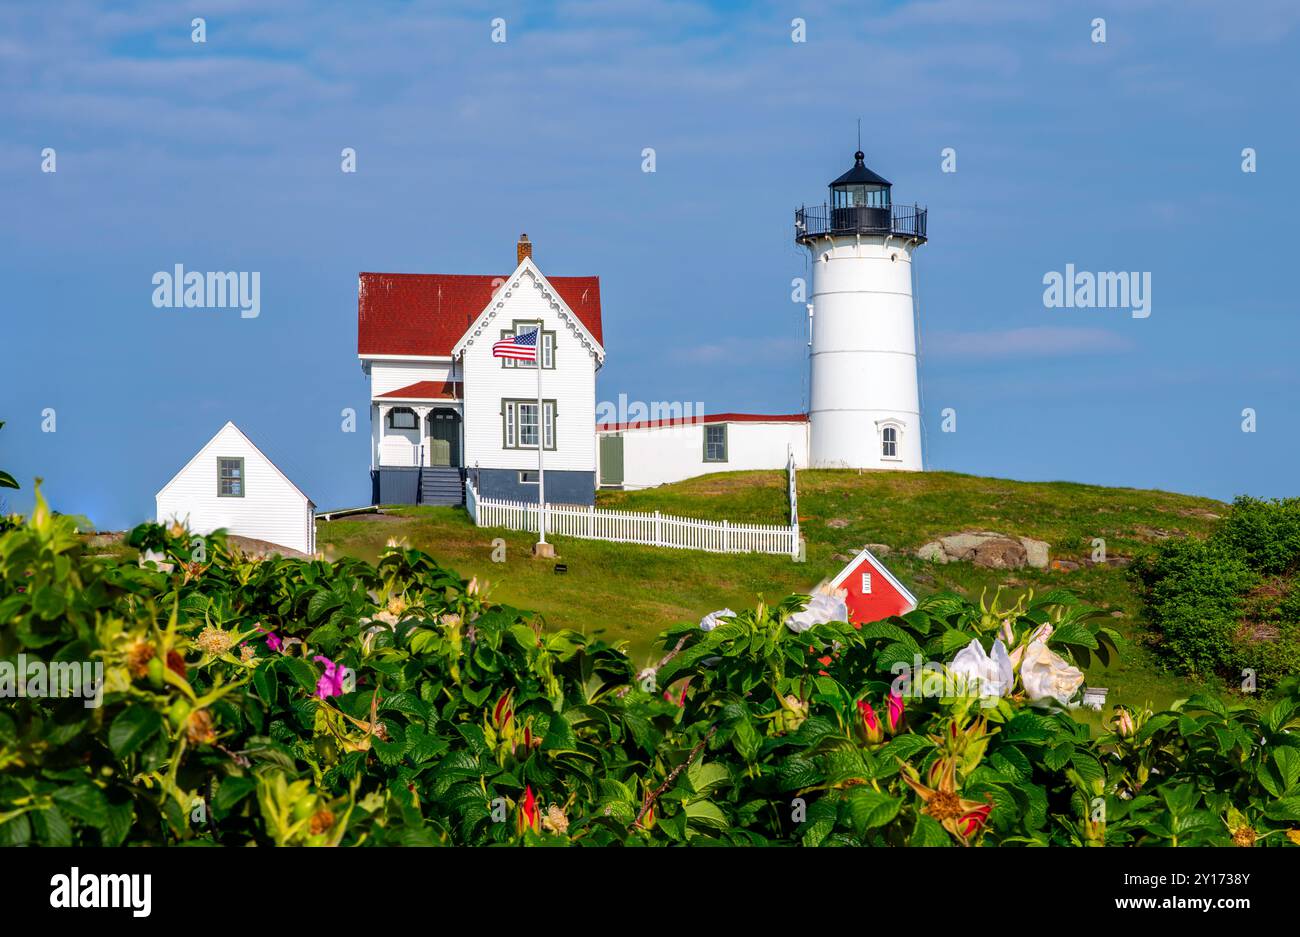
[821, 221]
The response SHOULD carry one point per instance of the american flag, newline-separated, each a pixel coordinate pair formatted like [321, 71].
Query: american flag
[522, 347]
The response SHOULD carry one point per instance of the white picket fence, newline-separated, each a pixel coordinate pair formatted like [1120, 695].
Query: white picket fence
[660, 530]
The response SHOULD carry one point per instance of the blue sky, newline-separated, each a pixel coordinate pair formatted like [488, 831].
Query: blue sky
[225, 156]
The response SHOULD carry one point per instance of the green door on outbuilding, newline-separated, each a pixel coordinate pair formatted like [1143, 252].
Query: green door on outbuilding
[611, 461]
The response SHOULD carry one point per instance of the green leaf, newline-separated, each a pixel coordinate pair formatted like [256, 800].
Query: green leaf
[928, 832]
[132, 728]
[869, 809]
[85, 802]
[706, 813]
[1288, 765]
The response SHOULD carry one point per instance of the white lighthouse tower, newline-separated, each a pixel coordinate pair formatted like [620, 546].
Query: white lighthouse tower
[864, 410]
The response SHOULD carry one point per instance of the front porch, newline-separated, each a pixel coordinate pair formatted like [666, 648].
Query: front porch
[417, 456]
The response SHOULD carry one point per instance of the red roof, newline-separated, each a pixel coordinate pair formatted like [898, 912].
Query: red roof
[715, 418]
[427, 313]
[426, 390]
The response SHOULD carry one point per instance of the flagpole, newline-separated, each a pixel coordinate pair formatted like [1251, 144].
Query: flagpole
[541, 445]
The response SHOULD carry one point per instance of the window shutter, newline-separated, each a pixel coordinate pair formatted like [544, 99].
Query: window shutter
[866, 583]
[510, 425]
[549, 425]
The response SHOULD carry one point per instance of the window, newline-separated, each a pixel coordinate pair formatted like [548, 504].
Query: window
[866, 583]
[401, 418]
[889, 442]
[519, 424]
[547, 346]
[528, 478]
[715, 443]
[230, 477]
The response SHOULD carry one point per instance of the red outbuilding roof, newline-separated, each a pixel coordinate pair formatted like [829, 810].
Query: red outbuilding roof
[714, 418]
[427, 313]
[426, 390]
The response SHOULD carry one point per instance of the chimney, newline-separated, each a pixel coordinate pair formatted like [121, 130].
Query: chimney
[523, 249]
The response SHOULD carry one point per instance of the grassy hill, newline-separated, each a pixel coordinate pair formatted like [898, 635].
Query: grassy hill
[624, 592]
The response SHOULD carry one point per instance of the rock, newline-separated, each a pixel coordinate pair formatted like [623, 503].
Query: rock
[880, 549]
[925, 578]
[837, 522]
[841, 557]
[1064, 566]
[987, 548]
[998, 553]
[1117, 614]
[1036, 552]
[932, 551]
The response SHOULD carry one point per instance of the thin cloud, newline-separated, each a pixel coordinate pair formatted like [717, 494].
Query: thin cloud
[1049, 341]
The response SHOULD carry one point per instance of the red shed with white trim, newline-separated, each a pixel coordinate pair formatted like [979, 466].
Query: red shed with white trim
[873, 592]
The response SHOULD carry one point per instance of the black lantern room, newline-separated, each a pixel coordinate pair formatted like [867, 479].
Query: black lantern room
[860, 203]
[860, 199]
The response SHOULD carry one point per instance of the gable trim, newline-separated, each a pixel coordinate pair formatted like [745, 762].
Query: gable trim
[880, 568]
[513, 282]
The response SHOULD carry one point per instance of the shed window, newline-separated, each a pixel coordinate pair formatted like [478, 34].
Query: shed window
[230, 477]
[889, 442]
[866, 583]
[715, 443]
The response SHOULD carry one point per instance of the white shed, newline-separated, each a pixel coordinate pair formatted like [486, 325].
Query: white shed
[231, 484]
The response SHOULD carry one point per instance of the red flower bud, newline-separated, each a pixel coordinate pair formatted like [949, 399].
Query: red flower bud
[869, 724]
[895, 716]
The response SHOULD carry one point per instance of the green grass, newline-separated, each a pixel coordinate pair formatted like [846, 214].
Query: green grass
[630, 593]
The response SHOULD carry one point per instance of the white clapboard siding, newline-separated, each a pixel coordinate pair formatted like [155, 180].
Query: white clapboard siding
[660, 530]
[387, 376]
[527, 296]
[658, 455]
[272, 508]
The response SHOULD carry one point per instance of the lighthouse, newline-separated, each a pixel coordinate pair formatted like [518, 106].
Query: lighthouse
[864, 410]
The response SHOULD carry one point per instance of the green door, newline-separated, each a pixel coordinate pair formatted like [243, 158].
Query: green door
[611, 461]
[444, 438]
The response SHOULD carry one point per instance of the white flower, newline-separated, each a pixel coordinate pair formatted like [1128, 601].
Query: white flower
[989, 675]
[712, 620]
[1045, 674]
[820, 609]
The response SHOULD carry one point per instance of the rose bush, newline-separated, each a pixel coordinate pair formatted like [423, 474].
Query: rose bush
[307, 702]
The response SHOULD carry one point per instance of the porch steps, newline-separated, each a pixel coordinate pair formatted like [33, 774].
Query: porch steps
[442, 485]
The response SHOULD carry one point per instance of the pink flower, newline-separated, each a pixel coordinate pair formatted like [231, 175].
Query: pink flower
[895, 715]
[331, 682]
[273, 641]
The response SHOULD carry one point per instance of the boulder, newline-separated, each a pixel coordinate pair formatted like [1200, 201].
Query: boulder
[881, 550]
[1036, 552]
[932, 551]
[987, 548]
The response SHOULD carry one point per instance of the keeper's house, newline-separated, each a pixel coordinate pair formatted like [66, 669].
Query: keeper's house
[442, 406]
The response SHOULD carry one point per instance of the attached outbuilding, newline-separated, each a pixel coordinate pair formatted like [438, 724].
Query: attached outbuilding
[231, 484]
[873, 592]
